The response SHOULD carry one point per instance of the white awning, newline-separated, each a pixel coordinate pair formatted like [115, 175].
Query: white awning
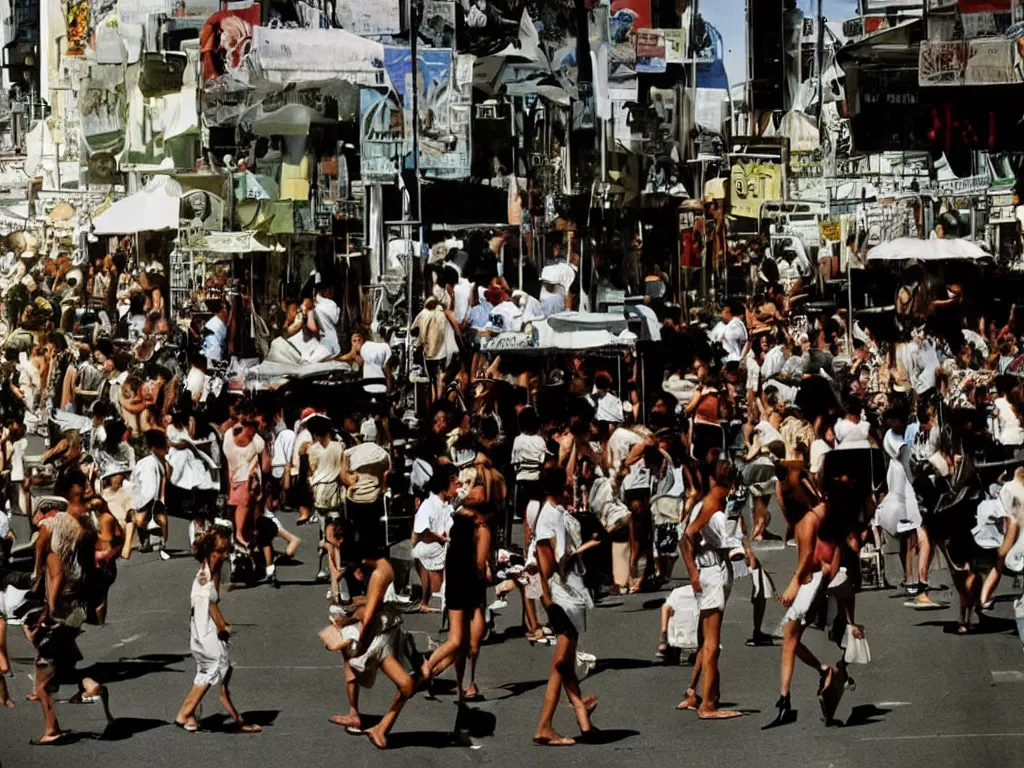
[926, 250]
[153, 209]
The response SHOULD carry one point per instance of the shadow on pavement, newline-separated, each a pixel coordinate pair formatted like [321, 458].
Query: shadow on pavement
[122, 728]
[990, 626]
[607, 736]
[519, 688]
[620, 664]
[132, 668]
[866, 714]
[221, 722]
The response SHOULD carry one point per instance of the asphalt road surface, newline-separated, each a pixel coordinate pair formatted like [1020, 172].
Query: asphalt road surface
[928, 697]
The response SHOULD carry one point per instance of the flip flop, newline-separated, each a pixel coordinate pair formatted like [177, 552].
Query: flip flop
[56, 741]
[562, 741]
[474, 699]
[187, 727]
[730, 716]
[334, 721]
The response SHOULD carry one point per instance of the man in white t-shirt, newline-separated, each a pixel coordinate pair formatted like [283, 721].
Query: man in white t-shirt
[430, 531]
[215, 332]
[327, 316]
[375, 357]
[731, 332]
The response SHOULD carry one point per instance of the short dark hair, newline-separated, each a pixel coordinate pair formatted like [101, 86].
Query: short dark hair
[156, 439]
[441, 478]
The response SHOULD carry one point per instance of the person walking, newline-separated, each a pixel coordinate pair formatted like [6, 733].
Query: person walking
[467, 573]
[706, 546]
[566, 601]
[209, 635]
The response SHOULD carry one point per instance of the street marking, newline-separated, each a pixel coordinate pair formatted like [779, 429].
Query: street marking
[946, 736]
[893, 704]
[1007, 676]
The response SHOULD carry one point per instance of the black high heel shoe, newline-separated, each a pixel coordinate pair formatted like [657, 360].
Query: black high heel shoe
[785, 712]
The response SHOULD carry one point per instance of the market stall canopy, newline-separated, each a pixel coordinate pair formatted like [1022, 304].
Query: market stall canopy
[152, 209]
[926, 250]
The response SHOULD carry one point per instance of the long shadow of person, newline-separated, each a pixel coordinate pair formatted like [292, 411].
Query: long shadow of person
[221, 722]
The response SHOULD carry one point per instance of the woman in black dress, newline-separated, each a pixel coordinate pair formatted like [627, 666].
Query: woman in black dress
[467, 573]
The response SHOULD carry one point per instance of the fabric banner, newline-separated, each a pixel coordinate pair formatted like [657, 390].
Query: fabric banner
[752, 184]
[381, 136]
[650, 51]
[941, 63]
[370, 18]
[294, 55]
[488, 27]
[445, 106]
[225, 41]
[437, 27]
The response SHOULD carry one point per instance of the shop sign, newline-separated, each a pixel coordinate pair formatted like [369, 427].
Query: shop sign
[990, 62]
[831, 231]
[941, 63]
[751, 184]
[967, 185]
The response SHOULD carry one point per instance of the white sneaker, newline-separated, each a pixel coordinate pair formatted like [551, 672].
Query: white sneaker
[163, 554]
[270, 571]
[322, 575]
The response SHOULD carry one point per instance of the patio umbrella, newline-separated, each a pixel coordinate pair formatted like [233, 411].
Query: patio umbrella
[926, 250]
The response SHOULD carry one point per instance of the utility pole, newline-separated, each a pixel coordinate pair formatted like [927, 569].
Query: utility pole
[819, 60]
[414, 251]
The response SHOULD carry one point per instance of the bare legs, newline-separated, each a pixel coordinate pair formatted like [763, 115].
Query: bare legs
[186, 716]
[431, 582]
[711, 623]
[563, 675]
[51, 729]
[793, 649]
[761, 517]
[5, 667]
[403, 682]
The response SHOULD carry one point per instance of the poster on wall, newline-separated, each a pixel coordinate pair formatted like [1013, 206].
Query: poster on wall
[225, 41]
[627, 18]
[488, 26]
[650, 51]
[381, 137]
[751, 184]
[941, 63]
[445, 107]
[77, 28]
[437, 27]
[370, 18]
[676, 45]
[990, 62]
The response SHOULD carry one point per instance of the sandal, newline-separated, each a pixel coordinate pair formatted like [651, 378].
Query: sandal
[561, 741]
[56, 741]
[187, 727]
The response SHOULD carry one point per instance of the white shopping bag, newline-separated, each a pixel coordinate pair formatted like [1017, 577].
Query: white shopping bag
[857, 650]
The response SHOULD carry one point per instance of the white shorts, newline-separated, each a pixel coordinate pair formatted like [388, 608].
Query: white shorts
[430, 554]
[805, 598]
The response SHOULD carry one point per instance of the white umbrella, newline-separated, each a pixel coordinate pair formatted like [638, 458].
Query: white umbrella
[926, 250]
[152, 209]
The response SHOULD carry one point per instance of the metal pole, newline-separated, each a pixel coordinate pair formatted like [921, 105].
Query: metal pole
[819, 60]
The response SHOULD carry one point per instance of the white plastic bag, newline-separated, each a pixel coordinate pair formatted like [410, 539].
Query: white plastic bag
[857, 650]
[685, 619]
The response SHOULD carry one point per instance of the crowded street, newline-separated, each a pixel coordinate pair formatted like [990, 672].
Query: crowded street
[928, 697]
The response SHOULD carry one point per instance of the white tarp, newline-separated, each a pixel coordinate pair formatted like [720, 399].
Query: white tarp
[152, 209]
[544, 337]
[296, 55]
[270, 370]
[926, 250]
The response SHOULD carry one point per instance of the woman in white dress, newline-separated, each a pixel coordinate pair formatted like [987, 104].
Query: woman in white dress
[566, 600]
[209, 634]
